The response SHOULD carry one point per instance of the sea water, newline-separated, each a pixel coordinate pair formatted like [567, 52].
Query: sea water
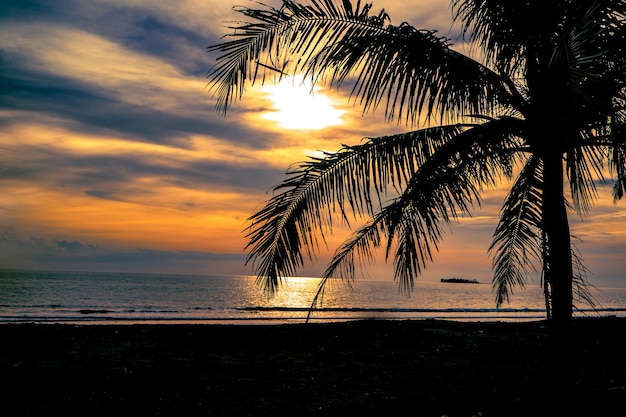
[99, 298]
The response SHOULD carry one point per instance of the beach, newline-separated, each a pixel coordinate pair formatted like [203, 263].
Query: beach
[358, 368]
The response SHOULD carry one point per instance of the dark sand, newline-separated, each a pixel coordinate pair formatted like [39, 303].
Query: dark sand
[367, 368]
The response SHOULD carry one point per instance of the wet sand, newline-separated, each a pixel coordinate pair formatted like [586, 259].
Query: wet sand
[362, 368]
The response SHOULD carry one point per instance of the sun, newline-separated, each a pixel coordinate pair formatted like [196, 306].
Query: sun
[295, 106]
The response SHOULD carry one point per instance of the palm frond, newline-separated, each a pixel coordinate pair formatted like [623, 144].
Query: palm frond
[447, 186]
[412, 71]
[265, 44]
[584, 166]
[580, 282]
[617, 156]
[618, 166]
[517, 238]
[361, 245]
[364, 241]
[502, 29]
[610, 147]
[284, 232]
[444, 186]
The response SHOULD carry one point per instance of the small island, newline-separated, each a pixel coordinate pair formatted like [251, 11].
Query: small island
[460, 280]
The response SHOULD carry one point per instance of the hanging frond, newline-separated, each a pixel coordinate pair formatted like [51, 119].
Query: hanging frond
[580, 282]
[584, 167]
[286, 230]
[360, 246]
[517, 239]
[619, 167]
[611, 148]
[617, 156]
[446, 184]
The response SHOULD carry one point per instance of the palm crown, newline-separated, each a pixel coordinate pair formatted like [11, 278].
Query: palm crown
[542, 102]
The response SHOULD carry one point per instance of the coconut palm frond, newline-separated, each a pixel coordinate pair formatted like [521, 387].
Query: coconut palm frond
[417, 233]
[264, 44]
[593, 84]
[360, 246]
[617, 161]
[517, 238]
[445, 187]
[393, 159]
[584, 166]
[510, 33]
[503, 29]
[367, 238]
[612, 144]
[581, 285]
[401, 66]
[415, 224]
[482, 153]
[619, 167]
[285, 231]
[364, 242]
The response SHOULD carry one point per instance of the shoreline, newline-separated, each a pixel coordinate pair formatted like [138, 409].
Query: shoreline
[325, 316]
[269, 321]
[365, 368]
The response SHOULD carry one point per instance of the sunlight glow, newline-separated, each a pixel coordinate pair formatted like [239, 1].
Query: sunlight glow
[296, 106]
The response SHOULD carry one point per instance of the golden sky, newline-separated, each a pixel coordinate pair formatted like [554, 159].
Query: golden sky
[112, 157]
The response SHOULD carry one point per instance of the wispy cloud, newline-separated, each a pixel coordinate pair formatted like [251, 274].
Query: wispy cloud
[40, 253]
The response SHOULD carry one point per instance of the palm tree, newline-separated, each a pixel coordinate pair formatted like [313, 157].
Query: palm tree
[538, 101]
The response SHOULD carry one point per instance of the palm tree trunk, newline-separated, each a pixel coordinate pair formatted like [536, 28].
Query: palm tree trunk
[558, 262]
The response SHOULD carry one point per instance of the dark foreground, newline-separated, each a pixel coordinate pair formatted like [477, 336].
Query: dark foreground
[369, 368]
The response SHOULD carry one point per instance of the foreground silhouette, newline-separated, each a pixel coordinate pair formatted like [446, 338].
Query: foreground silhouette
[543, 104]
[420, 368]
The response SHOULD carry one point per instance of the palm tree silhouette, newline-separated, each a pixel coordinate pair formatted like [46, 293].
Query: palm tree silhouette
[540, 101]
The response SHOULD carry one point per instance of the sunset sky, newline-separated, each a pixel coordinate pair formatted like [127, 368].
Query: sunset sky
[112, 157]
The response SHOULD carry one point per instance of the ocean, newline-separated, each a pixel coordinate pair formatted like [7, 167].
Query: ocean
[128, 298]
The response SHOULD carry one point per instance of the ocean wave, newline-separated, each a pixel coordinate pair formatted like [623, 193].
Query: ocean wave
[393, 309]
